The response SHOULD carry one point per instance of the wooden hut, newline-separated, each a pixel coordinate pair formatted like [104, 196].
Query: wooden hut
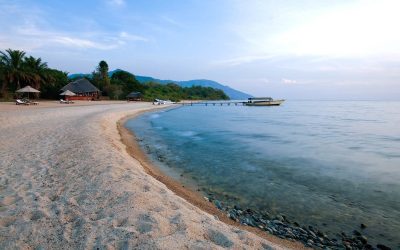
[83, 89]
[134, 96]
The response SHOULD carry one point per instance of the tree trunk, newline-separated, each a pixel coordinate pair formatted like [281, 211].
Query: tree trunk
[3, 88]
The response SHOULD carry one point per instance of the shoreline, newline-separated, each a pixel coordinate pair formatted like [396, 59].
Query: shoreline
[68, 181]
[128, 138]
[277, 228]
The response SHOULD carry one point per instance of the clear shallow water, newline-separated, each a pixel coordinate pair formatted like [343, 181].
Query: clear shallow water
[329, 164]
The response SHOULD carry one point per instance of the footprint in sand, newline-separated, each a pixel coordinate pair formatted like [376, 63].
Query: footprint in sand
[36, 215]
[7, 221]
[219, 238]
[9, 200]
[145, 223]
[120, 222]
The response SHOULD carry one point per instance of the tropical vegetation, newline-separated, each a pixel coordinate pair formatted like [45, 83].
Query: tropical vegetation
[18, 70]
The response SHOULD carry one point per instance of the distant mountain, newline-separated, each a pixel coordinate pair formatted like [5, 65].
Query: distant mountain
[232, 93]
[78, 75]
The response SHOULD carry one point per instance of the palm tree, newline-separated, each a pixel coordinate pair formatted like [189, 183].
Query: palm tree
[103, 70]
[36, 70]
[12, 64]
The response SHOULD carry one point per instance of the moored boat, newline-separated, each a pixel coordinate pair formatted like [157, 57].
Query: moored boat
[263, 101]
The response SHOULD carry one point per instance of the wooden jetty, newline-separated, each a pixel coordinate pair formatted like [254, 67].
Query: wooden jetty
[213, 103]
[252, 101]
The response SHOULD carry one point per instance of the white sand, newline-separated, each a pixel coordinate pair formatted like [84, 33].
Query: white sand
[67, 182]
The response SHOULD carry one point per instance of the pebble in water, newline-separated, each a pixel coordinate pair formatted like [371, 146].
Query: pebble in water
[281, 227]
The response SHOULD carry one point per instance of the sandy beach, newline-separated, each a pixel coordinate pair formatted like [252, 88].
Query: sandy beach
[69, 182]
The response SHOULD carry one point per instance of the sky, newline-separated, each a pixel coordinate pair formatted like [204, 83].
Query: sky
[300, 49]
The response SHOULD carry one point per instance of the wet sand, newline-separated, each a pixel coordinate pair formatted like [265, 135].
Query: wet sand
[67, 181]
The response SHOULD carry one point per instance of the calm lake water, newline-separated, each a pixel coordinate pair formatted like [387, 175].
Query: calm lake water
[330, 164]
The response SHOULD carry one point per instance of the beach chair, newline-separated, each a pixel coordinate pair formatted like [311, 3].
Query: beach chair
[21, 102]
[63, 101]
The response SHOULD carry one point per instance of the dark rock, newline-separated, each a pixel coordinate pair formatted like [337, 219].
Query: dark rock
[277, 222]
[269, 230]
[279, 217]
[363, 239]
[363, 226]
[383, 247]
[232, 216]
[265, 215]
[301, 230]
[255, 218]
[237, 207]
[249, 211]
[217, 203]
[368, 246]
[355, 232]
[312, 234]
[248, 221]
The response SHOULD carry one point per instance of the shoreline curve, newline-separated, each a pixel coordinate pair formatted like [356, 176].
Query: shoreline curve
[128, 138]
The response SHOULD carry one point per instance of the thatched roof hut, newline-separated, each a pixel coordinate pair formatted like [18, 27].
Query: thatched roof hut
[134, 96]
[83, 89]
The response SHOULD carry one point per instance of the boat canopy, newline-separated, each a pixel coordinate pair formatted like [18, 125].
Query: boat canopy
[260, 98]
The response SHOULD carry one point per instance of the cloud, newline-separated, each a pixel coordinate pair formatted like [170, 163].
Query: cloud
[288, 81]
[337, 29]
[30, 36]
[82, 43]
[32, 30]
[126, 36]
[172, 21]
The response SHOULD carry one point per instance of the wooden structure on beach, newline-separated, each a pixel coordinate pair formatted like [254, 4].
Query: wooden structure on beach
[134, 96]
[254, 101]
[83, 89]
[213, 103]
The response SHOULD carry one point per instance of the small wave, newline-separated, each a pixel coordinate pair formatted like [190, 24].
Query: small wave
[187, 133]
[154, 116]
[391, 138]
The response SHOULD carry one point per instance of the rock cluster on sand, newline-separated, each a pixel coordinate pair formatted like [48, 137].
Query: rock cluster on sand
[280, 226]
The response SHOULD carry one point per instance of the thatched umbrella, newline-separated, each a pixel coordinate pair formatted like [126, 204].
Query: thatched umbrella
[68, 93]
[28, 89]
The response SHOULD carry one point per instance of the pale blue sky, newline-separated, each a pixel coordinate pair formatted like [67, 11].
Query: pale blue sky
[298, 49]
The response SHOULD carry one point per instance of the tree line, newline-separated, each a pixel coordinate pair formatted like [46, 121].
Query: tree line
[18, 70]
